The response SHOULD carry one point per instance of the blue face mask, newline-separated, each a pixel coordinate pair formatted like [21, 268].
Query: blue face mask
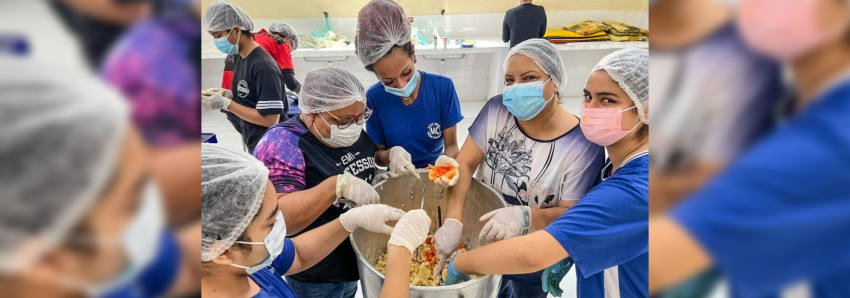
[225, 47]
[408, 89]
[525, 100]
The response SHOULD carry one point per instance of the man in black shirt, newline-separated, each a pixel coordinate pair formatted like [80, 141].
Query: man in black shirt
[524, 22]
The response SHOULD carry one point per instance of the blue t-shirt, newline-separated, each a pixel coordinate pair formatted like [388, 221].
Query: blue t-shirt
[418, 128]
[270, 279]
[780, 213]
[157, 278]
[606, 233]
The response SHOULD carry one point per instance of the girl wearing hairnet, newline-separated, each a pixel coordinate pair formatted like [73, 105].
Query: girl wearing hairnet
[529, 148]
[244, 249]
[605, 232]
[787, 195]
[317, 158]
[256, 102]
[415, 114]
[278, 47]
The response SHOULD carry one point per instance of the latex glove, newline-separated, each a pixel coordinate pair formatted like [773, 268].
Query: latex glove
[553, 275]
[373, 218]
[355, 189]
[400, 164]
[224, 92]
[214, 101]
[447, 161]
[454, 277]
[411, 230]
[505, 223]
[446, 241]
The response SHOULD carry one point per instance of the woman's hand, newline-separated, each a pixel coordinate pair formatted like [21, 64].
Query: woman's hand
[454, 277]
[216, 99]
[446, 241]
[400, 164]
[411, 230]
[373, 218]
[505, 222]
[447, 161]
[355, 189]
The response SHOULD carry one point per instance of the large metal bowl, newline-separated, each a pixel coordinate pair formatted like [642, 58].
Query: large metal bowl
[406, 193]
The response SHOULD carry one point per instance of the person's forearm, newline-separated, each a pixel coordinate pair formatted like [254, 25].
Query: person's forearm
[252, 115]
[517, 255]
[301, 208]
[397, 282]
[452, 151]
[382, 157]
[315, 245]
[457, 194]
[675, 255]
[540, 218]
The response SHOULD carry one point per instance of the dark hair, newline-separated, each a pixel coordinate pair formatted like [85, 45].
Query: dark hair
[643, 132]
[244, 32]
[407, 48]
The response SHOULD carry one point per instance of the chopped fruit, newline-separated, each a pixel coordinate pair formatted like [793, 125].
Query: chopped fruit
[444, 171]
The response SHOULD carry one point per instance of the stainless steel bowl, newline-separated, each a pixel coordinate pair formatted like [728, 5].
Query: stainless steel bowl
[406, 193]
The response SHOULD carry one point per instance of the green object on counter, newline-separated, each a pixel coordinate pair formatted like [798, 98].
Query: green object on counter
[320, 34]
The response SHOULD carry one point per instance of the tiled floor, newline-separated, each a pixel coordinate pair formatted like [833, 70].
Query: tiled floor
[215, 122]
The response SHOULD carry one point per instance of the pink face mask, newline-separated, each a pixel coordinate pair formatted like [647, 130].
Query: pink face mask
[602, 126]
[781, 29]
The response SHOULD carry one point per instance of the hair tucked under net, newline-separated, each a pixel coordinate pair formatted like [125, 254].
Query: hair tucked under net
[330, 88]
[547, 58]
[61, 133]
[287, 31]
[629, 67]
[233, 184]
[381, 24]
[223, 15]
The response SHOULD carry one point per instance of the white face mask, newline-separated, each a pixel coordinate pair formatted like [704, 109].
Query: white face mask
[341, 138]
[273, 243]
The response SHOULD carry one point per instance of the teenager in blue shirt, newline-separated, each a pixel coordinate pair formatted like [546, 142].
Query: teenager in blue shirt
[415, 114]
[777, 216]
[244, 249]
[605, 232]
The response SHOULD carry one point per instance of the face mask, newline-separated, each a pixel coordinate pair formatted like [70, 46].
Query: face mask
[781, 29]
[525, 100]
[408, 89]
[602, 126]
[225, 47]
[273, 243]
[341, 138]
[140, 241]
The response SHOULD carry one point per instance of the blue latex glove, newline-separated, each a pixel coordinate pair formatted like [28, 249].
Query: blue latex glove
[452, 276]
[553, 275]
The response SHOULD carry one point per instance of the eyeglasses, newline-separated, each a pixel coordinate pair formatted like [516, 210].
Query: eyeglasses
[347, 121]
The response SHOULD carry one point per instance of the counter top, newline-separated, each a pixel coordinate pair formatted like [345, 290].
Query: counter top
[482, 46]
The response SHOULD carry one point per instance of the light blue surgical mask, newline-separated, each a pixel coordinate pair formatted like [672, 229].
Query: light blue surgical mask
[225, 47]
[525, 100]
[407, 90]
[273, 243]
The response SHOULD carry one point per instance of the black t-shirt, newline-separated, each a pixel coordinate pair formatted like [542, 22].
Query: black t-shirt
[524, 22]
[256, 84]
[297, 160]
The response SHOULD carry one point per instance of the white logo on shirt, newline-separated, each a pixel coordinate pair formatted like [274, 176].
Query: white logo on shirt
[242, 89]
[434, 131]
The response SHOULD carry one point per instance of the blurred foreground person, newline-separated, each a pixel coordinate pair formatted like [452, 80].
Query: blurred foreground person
[79, 212]
[776, 218]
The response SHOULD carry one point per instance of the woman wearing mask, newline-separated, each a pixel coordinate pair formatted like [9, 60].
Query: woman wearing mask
[529, 148]
[257, 102]
[317, 158]
[605, 233]
[747, 222]
[415, 114]
[244, 249]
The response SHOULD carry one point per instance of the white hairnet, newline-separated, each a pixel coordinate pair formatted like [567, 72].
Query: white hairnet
[233, 184]
[381, 24]
[287, 31]
[61, 133]
[330, 88]
[629, 67]
[547, 58]
[223, 15]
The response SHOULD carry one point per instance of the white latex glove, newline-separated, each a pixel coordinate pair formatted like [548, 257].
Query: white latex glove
[447, 161]
[446, 241]
[355, 189]
[373, 218]
[400, 164]
[411, 230]
[214, 101]
[505, 223]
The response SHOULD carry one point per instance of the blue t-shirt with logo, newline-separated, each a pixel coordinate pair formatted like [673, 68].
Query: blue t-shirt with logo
[270, 278]
[418, 128]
